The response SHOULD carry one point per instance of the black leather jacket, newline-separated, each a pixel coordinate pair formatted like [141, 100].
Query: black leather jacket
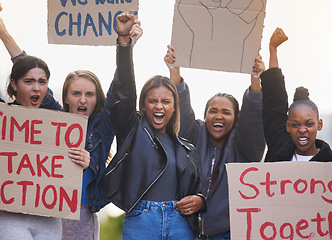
[141, 158]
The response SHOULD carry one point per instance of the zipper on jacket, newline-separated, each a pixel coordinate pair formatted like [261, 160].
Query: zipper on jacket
[200, 219]
[123, 157]
[196, 171]
[208, 190]
[211, 172]
[151, 139]
[200, 225]
[192, 162]
[156, 147]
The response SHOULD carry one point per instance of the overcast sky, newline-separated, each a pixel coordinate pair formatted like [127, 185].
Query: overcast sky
[305, 58]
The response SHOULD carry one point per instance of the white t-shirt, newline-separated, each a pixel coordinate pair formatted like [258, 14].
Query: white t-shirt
[300, 158]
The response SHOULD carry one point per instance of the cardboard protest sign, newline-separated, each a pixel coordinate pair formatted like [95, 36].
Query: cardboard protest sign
[218, 35]
[85, 22]
[36, 175]
[285, 200]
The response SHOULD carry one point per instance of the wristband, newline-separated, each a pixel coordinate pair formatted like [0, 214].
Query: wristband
[124, 44]
[123, 35]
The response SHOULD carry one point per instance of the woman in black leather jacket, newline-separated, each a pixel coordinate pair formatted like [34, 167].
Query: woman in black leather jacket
[154, 175]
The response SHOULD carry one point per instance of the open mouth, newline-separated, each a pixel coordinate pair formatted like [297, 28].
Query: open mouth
[218, 125]
[34, 99]
[158, 117]
[81, 110]
[303, 140]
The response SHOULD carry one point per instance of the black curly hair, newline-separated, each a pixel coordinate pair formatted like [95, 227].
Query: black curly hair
[301, 97]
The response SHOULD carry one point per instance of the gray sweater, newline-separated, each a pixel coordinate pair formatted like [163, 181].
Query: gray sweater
[245, 144]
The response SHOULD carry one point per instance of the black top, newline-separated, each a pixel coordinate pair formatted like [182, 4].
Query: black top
[165, 188]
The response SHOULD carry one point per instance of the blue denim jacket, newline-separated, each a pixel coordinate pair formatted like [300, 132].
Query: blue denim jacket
[100, 135]
[99, 138]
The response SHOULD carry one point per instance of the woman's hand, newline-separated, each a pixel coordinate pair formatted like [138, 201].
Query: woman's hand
[124, 23]
[79, 156]
[277, 38]
[257, 70]
[190, 204]
[170, 56]
[136, 31]
[169, 59]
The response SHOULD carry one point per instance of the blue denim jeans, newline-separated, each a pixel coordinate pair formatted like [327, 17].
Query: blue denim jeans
[156, 220]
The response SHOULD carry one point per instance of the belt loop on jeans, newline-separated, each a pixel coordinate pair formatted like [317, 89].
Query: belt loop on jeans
[174, 207]
[147, 205]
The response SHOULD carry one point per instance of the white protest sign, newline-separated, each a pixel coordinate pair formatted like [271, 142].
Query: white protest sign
[85, 22]
[36, 175]
[218, 35]
[284, 200]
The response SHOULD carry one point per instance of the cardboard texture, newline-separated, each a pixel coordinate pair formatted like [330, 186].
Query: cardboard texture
[36, 175]
[283, 200]
[85, 22]
[218, 35]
